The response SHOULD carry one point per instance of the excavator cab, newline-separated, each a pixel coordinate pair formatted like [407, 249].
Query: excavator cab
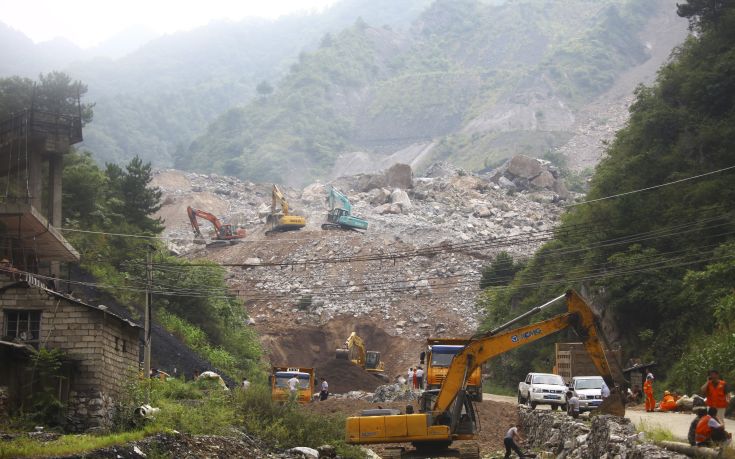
[372, 360]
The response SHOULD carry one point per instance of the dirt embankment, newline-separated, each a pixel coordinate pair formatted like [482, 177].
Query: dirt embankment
[315, 347]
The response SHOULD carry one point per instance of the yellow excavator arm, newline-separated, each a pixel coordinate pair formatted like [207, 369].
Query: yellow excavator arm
[452, 416]
[279, 199]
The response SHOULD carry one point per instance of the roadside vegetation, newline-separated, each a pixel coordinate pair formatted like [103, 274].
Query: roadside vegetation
[660, 262]
[201, 408]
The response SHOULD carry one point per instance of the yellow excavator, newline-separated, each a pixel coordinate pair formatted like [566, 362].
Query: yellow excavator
[282, 221]
[447, 414]
[354, 351]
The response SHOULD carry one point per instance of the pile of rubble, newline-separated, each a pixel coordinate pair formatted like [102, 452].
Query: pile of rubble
[606, 437]
[394, 393]
[464, 218]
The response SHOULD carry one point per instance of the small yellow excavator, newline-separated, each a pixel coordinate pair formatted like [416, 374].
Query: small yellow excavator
[282, 221]
[354, 351]
[447, 414]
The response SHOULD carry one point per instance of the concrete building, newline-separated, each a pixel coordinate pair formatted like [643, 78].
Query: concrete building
[100, 348]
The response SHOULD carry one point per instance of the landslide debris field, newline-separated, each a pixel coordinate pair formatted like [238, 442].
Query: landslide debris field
[413, 274]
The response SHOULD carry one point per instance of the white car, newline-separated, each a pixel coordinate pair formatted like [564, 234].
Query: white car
[543, 389]
[588, 390]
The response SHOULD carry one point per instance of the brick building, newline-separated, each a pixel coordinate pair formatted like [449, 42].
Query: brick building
[101, 348]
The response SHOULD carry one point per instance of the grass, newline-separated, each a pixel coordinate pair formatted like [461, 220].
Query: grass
[199, 409]
[497, 389]
[655, 432]
[71, 444]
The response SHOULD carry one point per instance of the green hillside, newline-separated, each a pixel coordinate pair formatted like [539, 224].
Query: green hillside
[460, 66]
[659, 263]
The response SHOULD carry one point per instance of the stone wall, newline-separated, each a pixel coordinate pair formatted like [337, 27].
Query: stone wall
[605, 437]
[104, 347]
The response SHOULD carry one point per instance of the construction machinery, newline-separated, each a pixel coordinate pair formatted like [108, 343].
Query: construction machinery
[282, 220]
[354, 351]
[280, 391]
[447, 415]
[223, 233]
[439, 355]
[340, 213]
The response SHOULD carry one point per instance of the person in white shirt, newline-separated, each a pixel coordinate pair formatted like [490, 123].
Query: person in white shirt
[293, 386]
[245, 384]
[420, 377]
[605, 391]
[572, 405]
[410, 378]
[324, 392]
[510, 442]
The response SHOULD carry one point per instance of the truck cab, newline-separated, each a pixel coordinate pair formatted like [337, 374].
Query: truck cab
[543, 389]
[279, 384]
[439, 355]
[588, 390]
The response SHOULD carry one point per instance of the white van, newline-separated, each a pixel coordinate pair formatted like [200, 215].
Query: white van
[588, 390]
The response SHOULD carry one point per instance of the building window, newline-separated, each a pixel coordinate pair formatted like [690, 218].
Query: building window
[22, 327]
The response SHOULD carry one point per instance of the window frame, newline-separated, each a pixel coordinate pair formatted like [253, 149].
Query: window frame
[29, 320]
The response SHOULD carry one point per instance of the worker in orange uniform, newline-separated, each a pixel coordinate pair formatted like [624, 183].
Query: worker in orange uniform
[715, 391]
[648, 390]
[668, 403]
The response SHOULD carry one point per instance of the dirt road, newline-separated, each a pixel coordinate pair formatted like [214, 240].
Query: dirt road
[676, 423]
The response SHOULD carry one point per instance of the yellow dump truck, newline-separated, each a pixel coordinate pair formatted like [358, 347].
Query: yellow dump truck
[438, 356]
[279, 380]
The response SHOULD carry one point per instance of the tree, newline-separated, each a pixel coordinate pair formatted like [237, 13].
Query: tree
[264, 89]
[55, 92]
[500, 272]
[702, 13]
[132, 198]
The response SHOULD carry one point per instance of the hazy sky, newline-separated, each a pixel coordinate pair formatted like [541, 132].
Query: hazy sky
[88, 22]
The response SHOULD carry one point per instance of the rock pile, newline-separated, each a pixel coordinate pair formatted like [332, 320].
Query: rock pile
[606, 437]
[393, 393]
[523, 173]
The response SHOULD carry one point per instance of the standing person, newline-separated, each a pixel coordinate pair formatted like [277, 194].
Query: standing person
[293, 387]
[604, 391]
[648, 390]
[324, 392]
[409, 380]
[572, 405]
[420, 377]
[715, 389]
[511, 440]
[245, 384]
[415, 379]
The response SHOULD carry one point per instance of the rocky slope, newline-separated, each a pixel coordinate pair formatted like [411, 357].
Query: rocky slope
[414, 273]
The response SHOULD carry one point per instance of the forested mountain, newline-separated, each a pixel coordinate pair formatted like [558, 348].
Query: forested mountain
[659, 263]
[166, 92]
[479, 80]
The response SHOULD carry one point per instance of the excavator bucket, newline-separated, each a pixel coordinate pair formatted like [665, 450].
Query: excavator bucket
[342, 354]
[613, 405]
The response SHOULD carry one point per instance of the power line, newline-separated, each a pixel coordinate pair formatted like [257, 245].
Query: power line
[650, 187]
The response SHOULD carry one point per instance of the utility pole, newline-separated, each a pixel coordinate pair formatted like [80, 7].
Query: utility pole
[147, 321]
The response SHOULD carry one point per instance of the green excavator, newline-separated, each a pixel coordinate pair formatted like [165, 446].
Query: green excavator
[340, 213]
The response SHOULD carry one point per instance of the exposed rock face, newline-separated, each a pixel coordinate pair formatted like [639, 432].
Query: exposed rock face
[605, 437]
[393, 393]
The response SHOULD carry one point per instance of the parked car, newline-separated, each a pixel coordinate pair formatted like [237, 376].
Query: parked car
[543, 389]
[588, 390]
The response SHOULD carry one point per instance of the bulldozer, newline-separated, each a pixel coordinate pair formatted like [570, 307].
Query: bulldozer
[223, 232]
[447, 414]
[283, 220]
[354, 350]
[340, 213]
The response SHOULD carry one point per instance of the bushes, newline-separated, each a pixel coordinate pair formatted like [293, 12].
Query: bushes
[290, 425]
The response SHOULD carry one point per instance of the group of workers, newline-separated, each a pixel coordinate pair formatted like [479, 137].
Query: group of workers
[415, 378]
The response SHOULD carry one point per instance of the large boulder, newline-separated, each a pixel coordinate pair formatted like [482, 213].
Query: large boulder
[401, 198]
[379, 196]
[399, 176]
[544, 180]
[524, 166]
[314, 193]
[367, 182]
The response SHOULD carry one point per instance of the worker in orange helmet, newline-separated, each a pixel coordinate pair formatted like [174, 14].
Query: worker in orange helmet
[648, 390]
[668, 403]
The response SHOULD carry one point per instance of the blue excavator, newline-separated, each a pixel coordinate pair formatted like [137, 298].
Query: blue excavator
[340, 213]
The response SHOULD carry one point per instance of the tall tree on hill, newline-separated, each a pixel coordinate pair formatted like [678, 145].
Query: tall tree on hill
[55, 92]
[135, 201]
